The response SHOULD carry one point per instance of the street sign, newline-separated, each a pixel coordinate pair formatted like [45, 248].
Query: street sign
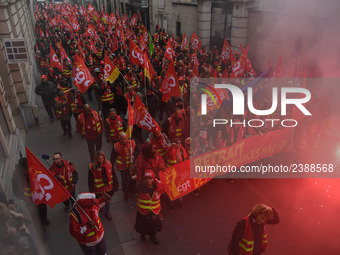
[16, 50]
[144, 3]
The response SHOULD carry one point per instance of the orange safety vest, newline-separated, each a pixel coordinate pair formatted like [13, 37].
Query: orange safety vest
[247, 242]
[108, 95]
[124, 153]
[159, 146]
[174, 131]
[66, 71]
[145, 203]
[99, 185]
[59, 112]
[76, 104]
[116, 127]
[97, 123]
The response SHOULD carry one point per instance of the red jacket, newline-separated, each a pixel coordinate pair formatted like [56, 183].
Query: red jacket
[155, 164]
[115, 128]
[124, 153]
[79, 228]
[175, 155]
[177, 131]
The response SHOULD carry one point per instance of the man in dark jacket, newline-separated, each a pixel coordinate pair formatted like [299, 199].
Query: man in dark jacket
[47, 90]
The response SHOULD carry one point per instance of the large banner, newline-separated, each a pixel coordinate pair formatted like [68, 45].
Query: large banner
[179, 180]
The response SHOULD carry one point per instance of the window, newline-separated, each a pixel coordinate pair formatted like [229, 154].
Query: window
[178, 28]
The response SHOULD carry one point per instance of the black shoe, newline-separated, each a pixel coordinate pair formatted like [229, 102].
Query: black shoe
[67, 208]
[142, 237]
[70, 135]
[65, 132]
[154, 240]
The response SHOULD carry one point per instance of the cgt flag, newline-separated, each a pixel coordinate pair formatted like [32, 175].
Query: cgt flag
[170, 86]
[45, 188]
[143, 118]
[54, 59]
[111, 72]
[81, 74]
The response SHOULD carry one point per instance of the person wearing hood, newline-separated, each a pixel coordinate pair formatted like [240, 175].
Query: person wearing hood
[85, 225]
[47, 90]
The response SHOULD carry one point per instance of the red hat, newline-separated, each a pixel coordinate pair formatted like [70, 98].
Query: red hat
[102, 62]
[149, 173]
[44, 76]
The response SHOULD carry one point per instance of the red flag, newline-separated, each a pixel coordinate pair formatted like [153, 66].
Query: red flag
[145, 35]
[93, 47]
[143, 118]
[75, 25]
[111, 72]
[133, 21]
[169, 52]
[195, 42]
[45, 187]
[170, 86]
[41, 33]
[249, 67]
[91, 31]
[136, 55]
[90, 9]
[238, 69]
[148, 68]
[226, 52]
[81, 74]
[63, 54]
[185, 42]
[54, 59]
[142, 43]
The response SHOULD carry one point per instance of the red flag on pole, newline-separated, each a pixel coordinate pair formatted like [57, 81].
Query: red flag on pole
[170, 86]
[226, 52]
[136, 55]
[169, 51]
[148, 69]
[63, 54]
[81, 74]
[111, 72]
[54, 59]
[185, 42]
[143, 118]
[195, 42]
[45, 188]
[277, 73]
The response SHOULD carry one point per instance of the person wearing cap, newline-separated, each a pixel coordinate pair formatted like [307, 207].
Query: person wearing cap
[63, 112]
[47, 90]
[149, 217]
[85, 225]
[90, 125]
[249, 235]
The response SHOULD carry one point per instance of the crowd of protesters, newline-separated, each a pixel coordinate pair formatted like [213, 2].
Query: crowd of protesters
[64, 28]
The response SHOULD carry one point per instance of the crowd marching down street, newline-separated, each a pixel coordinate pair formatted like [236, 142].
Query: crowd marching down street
[139, 81]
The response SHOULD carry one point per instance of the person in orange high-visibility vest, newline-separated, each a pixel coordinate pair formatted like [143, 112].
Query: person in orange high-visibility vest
[90, 125]
[85, 225]
[63, 112]
[100, 179]
[175, 153]
[106, 97]
[176, 126]
[149, 217]
[124, 154]
[249, 236]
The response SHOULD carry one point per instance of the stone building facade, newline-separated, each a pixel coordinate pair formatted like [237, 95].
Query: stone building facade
[17, 83]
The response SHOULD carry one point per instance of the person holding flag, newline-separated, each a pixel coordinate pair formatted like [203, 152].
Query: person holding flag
[85, 225]
[66, 174]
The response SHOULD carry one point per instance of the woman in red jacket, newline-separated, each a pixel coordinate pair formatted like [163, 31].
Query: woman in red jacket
[149, 217]
[85, 225]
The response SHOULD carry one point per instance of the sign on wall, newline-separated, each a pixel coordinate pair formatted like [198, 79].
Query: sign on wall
[16, 50]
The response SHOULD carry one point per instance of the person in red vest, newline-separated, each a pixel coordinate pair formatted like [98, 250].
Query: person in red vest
[66, 174]
[176, 126]
[85, 225]
[63, 112]
[106, 97]
[149, 217]
[123, 155]
[76, 101]
[90, 125]
[114, 126]
[249, 236]
[100, 179]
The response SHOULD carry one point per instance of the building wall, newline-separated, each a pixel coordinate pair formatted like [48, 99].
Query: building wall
[17, 87]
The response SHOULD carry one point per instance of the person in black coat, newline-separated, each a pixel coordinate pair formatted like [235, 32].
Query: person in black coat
[48, 91]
